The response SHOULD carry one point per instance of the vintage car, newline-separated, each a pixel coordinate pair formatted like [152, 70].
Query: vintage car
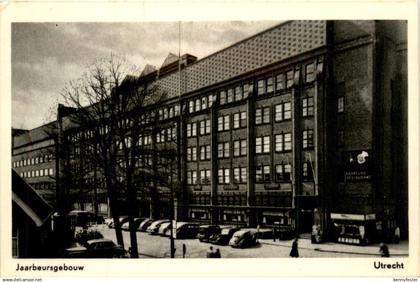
[97, 248]
[225, 235]
[243, 239]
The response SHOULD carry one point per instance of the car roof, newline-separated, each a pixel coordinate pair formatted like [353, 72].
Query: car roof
[179, 224]
[241, 232]
[99, 241]
[208, 225]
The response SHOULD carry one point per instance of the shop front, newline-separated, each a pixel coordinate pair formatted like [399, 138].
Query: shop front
[354, 229]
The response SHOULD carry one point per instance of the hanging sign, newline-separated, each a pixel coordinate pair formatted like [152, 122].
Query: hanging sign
[357, 165]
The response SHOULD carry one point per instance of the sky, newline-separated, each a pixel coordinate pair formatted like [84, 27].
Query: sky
[46, 56]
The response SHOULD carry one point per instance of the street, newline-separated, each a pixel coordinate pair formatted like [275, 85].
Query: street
[155, 246]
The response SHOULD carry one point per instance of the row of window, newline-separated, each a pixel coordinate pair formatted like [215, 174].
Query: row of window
[283, 143]
[235, 94]
[283, 81]
[37, 173]
[282, 173]
[33, 161]
[201, 103]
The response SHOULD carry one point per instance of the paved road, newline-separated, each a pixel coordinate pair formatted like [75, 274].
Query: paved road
[150, 246]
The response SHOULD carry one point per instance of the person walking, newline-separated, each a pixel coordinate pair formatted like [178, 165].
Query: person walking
[294, 253]
[184, 250]
[210, 252]
[397, 235]
[383, 250]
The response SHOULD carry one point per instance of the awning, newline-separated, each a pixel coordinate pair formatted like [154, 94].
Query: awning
[357, 217]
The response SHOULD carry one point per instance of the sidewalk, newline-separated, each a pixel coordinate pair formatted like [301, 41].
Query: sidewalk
[400, 249]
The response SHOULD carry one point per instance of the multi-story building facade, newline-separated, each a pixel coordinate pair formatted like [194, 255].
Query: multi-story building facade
[302, 124]
[33, 158]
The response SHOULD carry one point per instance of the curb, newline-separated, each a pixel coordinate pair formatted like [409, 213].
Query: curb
[331, 251]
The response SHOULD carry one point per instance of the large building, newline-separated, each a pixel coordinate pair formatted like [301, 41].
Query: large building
[302, 125]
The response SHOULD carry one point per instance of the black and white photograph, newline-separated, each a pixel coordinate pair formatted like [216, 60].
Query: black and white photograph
[232, 139]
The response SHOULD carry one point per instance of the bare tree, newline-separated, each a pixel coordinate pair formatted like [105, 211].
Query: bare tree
[111, 107]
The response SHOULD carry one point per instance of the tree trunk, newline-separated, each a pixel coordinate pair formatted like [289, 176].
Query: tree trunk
[132, 200]
[115, 212]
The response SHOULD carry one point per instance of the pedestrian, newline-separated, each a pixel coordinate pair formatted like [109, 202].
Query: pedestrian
[274, 233]
[217, 254]
[383, 250]
[210, 252]
[294, 253]
[397, 235]
[184, 250]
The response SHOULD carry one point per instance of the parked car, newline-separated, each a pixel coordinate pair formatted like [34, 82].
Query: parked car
[183, 230]
[165, 228]
[122, 219]
[243, 239]
[207, 231]
[98, 248]
[154, 227]
[145, 224]
[225, 235]
[186, 230]
[137, 221]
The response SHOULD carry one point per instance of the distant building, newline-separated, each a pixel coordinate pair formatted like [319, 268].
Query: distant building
[302, 124]
[33, 158]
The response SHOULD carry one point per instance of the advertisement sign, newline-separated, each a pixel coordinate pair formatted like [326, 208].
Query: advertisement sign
[357, 165]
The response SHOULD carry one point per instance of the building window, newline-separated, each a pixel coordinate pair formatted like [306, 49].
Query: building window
[171, 112]
[308, 138]
[307, 106]
[248, 88]
[222, 97]
[205, 152]
[309, 72]
[260, 87]
[262, 173]
[165, 113]
[223, 123]
[307, 171]
[205, 176]
[205, 127]
[239, 148]
[283, 172]
[340, 105]
[204, 103]
[270, 85]
[192, 177]
[239, 175]
[283, 142]
[262, 145]
[191, 106]
[280, 82]
[223, 150]
[289, 78]
[262, 115]
[223, 176]
[191, 129]
[176, 110]
[239, 120]
[230, 95]
[238, 93]
[51, 171]
[191, 153]
[198, 105]
[282, 111]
